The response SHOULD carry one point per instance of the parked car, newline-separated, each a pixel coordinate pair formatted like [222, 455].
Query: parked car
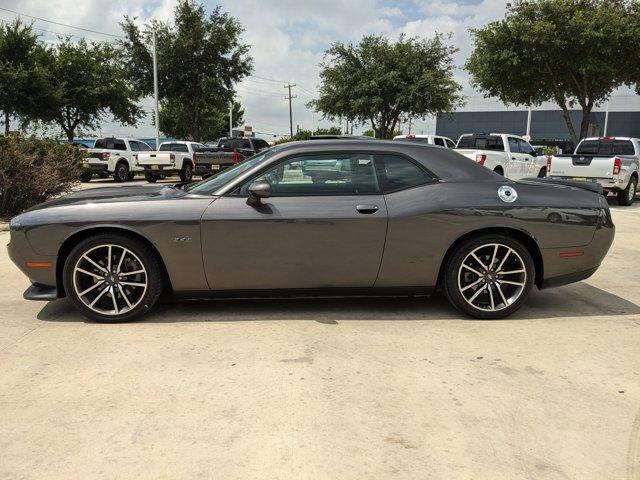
[402, 219]
[113, 156]
[245, 146]
[509, 155]
[171, 157]
[428, 139]
[610, 161]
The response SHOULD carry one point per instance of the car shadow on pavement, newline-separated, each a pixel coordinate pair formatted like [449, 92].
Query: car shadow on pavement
[578, 300]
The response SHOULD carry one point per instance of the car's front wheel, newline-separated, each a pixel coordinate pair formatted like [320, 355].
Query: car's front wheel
[489, 276]
[112, 278]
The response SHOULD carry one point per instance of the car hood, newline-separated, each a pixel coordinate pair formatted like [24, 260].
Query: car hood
[135, 193]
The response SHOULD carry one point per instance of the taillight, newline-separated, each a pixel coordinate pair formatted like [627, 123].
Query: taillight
[172, 157]
[481, 158]
[105, 155]
[549, 164]
[617, 165]
[235, 157]
[193, 157]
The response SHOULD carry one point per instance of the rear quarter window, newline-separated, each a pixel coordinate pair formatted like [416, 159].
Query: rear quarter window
[481, 142]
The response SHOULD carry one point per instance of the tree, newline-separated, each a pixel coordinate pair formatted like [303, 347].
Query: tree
[380, 82]
[565, 51]
[25, 89]
[307, 134]
[200, 59]
[91, 80]
[176, 121]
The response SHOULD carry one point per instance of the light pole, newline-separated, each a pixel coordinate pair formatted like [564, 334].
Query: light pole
[155, 90]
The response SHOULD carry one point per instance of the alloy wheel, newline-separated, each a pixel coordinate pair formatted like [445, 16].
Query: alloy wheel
[492, 277]
[110, 279]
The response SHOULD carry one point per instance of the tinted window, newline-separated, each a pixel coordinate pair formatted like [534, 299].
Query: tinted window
[450, 144]
[481, 142]
[397, 173]
[110, 144]
[439, 141]
[133, 145]
[513, 145]
[144, 147]
[246, 144]
[180, 147]
[606, 147]
[328, 174]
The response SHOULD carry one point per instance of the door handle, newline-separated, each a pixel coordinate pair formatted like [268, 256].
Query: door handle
[513, 158]
[367, 209]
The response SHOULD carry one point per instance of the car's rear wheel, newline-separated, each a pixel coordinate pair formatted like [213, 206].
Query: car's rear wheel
[542, 173]
[112, 278]
[86, 176]
[121, 174]
[150, 177]
[499, 171]
[628, 195]
[489, 276]
[186, 173]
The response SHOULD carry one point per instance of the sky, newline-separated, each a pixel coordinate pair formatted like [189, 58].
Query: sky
[287, 38]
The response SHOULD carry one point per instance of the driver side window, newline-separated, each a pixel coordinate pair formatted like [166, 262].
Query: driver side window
[329, 174]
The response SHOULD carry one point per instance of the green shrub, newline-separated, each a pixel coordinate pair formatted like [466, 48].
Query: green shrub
[33, 170]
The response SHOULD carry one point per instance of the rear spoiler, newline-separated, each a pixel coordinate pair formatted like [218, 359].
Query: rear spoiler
[591, 186]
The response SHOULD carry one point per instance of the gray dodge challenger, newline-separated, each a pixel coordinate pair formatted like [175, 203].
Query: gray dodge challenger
[322, 217]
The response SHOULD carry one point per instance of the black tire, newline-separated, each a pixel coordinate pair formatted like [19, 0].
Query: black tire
[542, 173]
[453, 267]
[186, 173]
[627, 196]
[499, 171]
[121, 174]
[131, 176]
[146, 256]
[86, 176]
[150, 177]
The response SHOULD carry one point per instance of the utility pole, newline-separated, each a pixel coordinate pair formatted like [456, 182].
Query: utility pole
[230, 119]
[529, 124]
[606, 119]
[409, 125]
[289, 97]
[155, 90]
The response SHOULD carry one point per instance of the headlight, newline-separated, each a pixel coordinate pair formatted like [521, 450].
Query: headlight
[14, 223]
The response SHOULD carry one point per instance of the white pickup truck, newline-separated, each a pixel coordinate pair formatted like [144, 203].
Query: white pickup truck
[113, 156]
[171, 157]
[509, 155]
[610, 161]
[428, 139]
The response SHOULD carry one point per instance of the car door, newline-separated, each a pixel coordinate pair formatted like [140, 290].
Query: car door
[516, 161]
[529, 165]
[323, 226]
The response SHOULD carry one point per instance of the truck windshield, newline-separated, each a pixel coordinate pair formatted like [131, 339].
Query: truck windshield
[605, 147]
[481, 142]
[211, 184]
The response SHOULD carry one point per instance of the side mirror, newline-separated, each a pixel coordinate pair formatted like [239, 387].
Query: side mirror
[258, 191]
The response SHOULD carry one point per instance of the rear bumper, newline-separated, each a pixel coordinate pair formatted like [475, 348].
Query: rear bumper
[568, 265]
[158, 168]
[208, 169]
[606, 183]
[94, 167]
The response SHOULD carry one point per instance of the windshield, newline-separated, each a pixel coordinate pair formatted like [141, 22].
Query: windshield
[214, 183]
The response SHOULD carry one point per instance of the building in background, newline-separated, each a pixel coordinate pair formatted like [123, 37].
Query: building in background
[486, 115]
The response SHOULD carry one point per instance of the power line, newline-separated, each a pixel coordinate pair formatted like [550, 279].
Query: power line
[61, 24]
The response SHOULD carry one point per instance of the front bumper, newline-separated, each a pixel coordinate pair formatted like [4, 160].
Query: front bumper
[40, 269]
[39, 292]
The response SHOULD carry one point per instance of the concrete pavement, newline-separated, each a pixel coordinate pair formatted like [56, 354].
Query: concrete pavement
[329, 389]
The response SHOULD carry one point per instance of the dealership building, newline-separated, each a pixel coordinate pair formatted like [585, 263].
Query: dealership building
[621, 117]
